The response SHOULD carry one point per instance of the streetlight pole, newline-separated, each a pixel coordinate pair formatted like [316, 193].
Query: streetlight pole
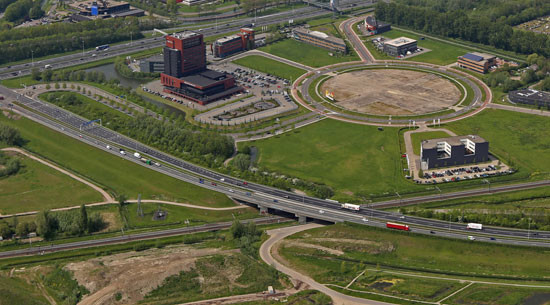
[529, 230]
[82, 48]
[32, 58]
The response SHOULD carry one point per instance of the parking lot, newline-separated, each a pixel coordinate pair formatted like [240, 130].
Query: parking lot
[465, 173]
[259, 87]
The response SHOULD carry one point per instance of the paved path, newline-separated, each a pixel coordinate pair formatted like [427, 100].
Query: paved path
[276, 236]
[103, 193]
[520, 109]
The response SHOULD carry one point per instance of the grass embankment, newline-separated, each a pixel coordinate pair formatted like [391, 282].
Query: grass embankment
[306, 54]
[393, 260]
[111, 172]
[38, 187]
[273, 67]
[417, 138]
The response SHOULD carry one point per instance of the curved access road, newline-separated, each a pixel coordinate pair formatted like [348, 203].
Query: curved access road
[275, 236]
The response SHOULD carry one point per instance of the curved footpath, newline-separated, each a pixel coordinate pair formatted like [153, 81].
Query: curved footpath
[276, 236]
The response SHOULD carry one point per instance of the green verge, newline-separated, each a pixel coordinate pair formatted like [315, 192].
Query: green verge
[114, 174]
[268, 65]
[306, 54]
[499, 295]
[38, 187]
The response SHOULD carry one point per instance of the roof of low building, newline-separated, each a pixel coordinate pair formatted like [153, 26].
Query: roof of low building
[399, 41]
[453, 141]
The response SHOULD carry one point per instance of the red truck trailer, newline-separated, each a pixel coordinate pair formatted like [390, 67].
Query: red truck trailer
[391, 225]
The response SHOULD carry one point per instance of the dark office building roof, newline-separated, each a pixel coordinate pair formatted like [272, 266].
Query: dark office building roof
[473, 57]
[453, 141]
[213, 74]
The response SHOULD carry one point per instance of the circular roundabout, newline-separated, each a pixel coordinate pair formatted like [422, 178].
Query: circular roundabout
[390, 93]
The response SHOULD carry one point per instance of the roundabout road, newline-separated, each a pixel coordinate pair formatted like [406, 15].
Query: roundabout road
[367, 60]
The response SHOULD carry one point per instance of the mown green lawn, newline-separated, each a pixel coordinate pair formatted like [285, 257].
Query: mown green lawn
[513, 136]
[306, 54]
[348, 157]
[417, 138]
[273, 67]
[500, 295]
[39, 187]
[113, 173]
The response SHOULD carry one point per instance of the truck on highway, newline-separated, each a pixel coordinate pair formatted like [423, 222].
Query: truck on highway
[397, 226]
[474, 226]
[349, 206]
[137, 155]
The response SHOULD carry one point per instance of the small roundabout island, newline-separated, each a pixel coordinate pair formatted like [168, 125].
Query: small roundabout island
[390, 93]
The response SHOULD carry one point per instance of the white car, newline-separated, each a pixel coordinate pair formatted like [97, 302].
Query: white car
[471, 238]
[108, 147]
[321, 212]
[231, 191]
[222, 179]
[365, 220]
[122, 152]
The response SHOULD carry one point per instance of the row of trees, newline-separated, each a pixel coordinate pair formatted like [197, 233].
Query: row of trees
[169, 137]
[122, 68]
[458, 24]
[22, 43]
[48, 225]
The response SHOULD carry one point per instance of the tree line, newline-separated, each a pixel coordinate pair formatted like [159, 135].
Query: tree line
[122, 68]
[166, 136]
[21, 10]
[23, 43]
[49, 225]
[458, 24]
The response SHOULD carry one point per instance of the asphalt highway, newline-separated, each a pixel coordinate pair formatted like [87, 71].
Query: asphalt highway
[220, 27]
[69, 124]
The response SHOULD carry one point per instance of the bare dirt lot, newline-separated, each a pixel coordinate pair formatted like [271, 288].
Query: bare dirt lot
[392, 92]
[133, 274]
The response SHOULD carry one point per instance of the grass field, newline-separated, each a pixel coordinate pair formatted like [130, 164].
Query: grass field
[181, 215]
[513, 136]
[392, 261]
[416, 253]
[305, 53]
[39, 187]
[273, 67]
[113, 173]
[14, 290]
[441, 53]
[500, 295]
[351, 158]
[417, 138]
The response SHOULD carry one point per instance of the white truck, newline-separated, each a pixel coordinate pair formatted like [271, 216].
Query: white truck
[47, 66]
[137, 155]
[349, 206]
[474, 226]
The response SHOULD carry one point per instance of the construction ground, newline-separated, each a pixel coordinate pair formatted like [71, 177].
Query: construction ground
[392, 92]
